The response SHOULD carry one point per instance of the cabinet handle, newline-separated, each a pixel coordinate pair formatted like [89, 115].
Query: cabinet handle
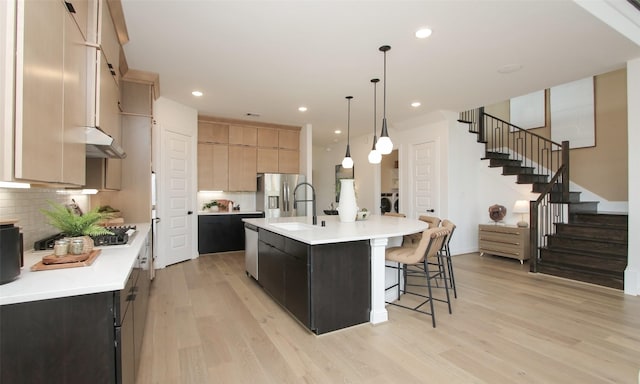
[189, 212]
[430, 210]
[70, 7]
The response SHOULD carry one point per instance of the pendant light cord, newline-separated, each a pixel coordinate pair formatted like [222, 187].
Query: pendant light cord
[384, 89]
[348, 119]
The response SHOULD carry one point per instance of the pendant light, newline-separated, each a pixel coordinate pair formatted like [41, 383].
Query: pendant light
[347, 162]
[384, 144]
[374, 156]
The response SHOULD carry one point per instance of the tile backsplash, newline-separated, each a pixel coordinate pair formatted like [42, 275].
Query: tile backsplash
[246, 200]
[24, 205]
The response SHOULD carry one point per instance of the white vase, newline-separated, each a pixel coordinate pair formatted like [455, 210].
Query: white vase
[348, 207]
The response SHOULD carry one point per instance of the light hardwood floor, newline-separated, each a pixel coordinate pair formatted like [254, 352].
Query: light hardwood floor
[209, 323]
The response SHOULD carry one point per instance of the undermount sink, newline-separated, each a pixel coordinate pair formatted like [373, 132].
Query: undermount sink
[293, 226]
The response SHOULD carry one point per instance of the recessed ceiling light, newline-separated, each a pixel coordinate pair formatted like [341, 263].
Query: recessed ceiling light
[423, 33]
[302, 109]
[416, 104]
[337, 131]
[509, 68]
[196, 93]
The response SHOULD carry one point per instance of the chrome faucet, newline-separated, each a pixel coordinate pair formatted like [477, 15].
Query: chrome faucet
[313, 200]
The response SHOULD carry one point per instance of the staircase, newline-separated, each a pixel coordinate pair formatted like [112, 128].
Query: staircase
[591, 247]
[569, 237]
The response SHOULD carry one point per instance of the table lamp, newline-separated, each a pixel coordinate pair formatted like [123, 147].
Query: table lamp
[521, 207]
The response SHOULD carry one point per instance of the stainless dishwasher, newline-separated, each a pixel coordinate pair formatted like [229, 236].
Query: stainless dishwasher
[251, 250]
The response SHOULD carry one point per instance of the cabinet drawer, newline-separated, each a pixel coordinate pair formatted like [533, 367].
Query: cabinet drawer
[501, 238]
[490, 247]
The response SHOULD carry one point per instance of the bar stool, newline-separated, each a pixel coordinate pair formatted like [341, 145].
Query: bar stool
[447, 254]
[419, 259]
[413, 239]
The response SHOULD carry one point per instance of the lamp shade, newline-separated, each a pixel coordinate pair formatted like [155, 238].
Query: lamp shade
[374, 156]
[521, 206]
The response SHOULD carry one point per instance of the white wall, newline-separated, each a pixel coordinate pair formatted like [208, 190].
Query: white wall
[632, 273]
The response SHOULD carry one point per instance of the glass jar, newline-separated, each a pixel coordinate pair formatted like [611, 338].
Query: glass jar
[76, 246]
[61, 247]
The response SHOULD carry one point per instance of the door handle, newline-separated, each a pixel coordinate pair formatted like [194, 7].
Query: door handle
[189, 212]
[431, 210]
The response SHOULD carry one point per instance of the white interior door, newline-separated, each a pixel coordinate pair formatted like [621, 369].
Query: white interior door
[177, 220]
[425, 179]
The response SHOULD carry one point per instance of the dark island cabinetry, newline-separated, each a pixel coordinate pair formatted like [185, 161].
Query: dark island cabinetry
[326, 286]
[222, 232]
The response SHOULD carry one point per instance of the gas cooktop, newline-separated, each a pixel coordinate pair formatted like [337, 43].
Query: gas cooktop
[121, 236]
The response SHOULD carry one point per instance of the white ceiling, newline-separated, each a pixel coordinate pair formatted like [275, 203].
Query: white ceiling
[270, 57]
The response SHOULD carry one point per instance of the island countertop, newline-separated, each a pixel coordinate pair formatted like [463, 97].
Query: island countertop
[376, 229]
[109, 272]
[335, 231]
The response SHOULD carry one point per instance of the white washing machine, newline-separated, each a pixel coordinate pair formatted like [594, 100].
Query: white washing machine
[386, 202]
[395, 198]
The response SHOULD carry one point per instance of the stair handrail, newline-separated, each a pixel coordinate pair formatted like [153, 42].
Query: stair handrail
[542, 221]
[498, 134]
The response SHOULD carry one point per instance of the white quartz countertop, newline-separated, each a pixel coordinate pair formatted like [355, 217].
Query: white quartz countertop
[109, 272]
[335, 231]
[228, 213]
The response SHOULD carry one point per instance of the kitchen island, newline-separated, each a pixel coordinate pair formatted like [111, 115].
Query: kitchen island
[345, 240]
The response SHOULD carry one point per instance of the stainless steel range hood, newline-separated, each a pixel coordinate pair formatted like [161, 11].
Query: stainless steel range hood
[99, 144]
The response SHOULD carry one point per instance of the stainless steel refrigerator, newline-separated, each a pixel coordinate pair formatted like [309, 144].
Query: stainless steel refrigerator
[275, 195]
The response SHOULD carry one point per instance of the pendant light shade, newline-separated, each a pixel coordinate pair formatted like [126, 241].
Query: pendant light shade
[374, 156]
[384, 144]
[347, 162]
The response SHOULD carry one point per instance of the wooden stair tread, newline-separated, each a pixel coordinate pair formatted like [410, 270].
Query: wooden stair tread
[585, 253]
[589, 238]
[594, 225]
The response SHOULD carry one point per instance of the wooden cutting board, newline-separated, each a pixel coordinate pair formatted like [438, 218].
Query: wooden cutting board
[50, 262]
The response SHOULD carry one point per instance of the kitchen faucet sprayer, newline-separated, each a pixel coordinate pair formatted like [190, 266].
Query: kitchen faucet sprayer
[313, 200]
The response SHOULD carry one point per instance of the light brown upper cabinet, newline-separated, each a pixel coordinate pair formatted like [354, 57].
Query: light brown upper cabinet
[252, 148]
[242, 168]
[209, 132]
[243, 135]
[108, 40]
[267, 137]
[213, 167]
[107, 109]
[50, 95]
[79, 9]
[289, 139]
[278, 150]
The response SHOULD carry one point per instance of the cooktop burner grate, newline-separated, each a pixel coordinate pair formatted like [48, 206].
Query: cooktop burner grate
[120, 236]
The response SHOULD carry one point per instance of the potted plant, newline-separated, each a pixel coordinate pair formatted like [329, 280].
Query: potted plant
[73, 225]
[211, 206]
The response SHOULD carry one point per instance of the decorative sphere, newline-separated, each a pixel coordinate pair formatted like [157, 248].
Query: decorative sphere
[497, 212]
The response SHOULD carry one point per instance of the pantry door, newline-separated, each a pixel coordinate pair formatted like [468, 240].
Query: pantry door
[178, 214]
[425, 178]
